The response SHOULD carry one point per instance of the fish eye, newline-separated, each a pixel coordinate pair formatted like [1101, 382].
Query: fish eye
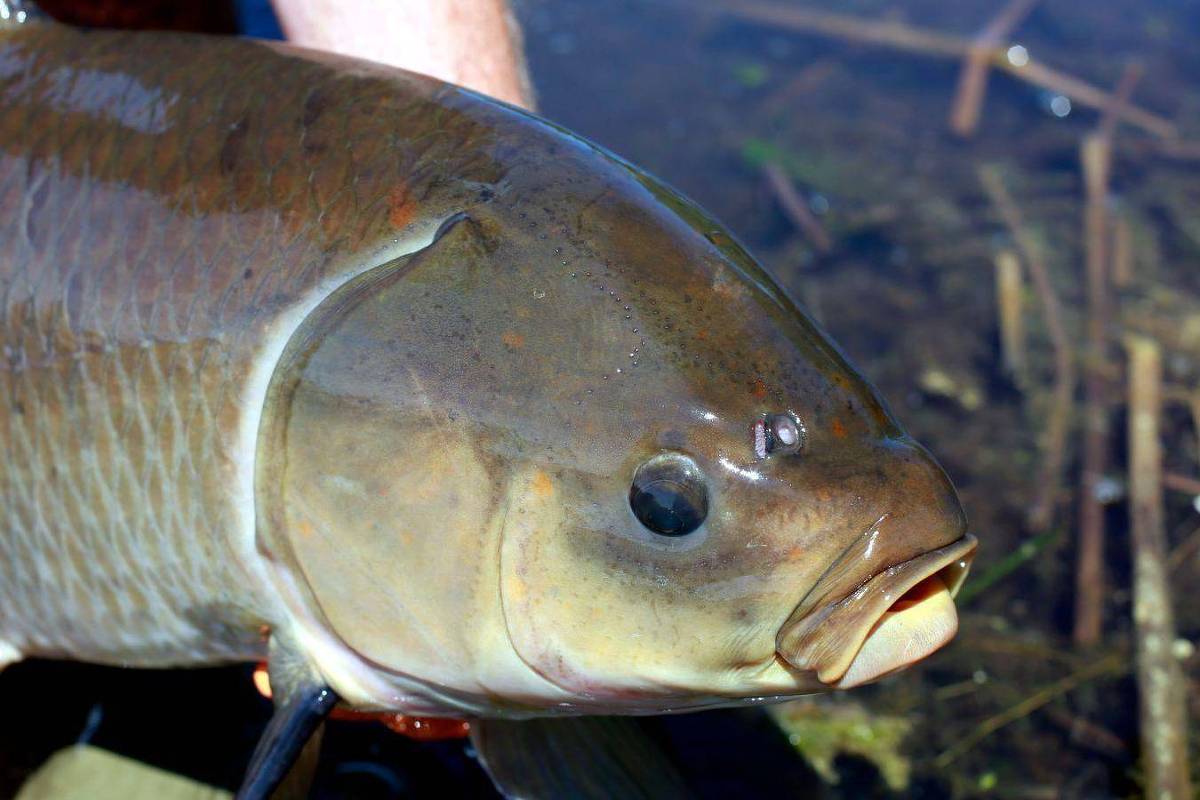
[668, 495]
[777, 434]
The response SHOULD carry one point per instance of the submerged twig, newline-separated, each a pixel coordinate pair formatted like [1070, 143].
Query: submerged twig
[972, 80]
[1111, 665]
[932, 43]
[796, 209]
[1088, 733]
[1189, 547]
[1162, 694]
[1007, 565]
[1122, 251]
[1010, 292]
[1181, 483]
[1096, 158]
[1055, 434]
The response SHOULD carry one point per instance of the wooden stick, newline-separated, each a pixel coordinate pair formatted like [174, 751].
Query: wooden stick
[1112, 665]
[972, 80]
[1181, 483]
[1096, 158]
[1186, 549]
[1122, 251]
[1089, 572]
[796, 208]
[1010, 291]
[1162, 695]
[930, 43]
[1062, 395]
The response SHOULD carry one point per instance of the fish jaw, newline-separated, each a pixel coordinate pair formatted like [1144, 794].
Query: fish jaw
[896, 618]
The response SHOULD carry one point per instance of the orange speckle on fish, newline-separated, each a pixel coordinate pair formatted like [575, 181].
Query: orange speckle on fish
[758, 388]
[306, 528]
[400, 208]
[513, 339]
[837, 428]
[543, 486]
[702, 334]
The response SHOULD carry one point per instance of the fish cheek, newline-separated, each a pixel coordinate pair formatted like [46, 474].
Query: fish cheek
[599, 607]
[389, 517]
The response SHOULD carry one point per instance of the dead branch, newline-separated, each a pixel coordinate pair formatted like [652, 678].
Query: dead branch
[1062, 395]
[1162, 694]
[1122, 251]
[1096, 158]
[1181, 483]
[1010, 292]
[972, 80]
[1189, 547]
[930, 43]
[796, 209]
[1114, 664]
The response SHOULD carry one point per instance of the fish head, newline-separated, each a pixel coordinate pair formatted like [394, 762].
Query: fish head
[582, 454]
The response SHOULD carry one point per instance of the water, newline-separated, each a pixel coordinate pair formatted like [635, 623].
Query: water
[898, 262]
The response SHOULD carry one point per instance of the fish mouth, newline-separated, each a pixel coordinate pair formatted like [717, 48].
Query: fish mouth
[894, 619]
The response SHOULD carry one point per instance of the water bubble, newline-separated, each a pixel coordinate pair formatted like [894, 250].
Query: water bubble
[539, 293]
[1017, 55]
[1060, 105]
[819, 204]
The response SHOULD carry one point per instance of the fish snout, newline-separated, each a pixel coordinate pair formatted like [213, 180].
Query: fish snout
[888, 602]
[896, 618]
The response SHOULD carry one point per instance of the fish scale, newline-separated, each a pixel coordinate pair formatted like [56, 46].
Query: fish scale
[148, 261]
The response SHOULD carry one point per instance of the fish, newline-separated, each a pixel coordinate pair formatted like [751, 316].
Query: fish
[431, 404]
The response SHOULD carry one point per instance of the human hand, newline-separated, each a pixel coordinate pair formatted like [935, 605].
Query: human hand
[472, 43]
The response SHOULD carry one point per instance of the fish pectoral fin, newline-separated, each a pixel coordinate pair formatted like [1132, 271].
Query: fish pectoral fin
[285, 758]
[577, 757]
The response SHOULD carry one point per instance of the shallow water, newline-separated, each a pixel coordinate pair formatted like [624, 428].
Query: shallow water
[898, 263]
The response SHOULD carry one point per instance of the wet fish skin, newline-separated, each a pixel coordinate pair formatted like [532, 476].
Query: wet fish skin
[308, 347]
[162, 214]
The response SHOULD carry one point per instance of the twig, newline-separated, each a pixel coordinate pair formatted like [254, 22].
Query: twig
[931, 43]
[796, 209]
[1007, 565]
[1181, 483]
[1009, 302]
[1189, 547]
[1162, 695]
[972, 80]
[1113, 664]
[1088, 733]
[1194, 408]
[1122, 251]
[1096, 156]
[806, 80]
[1055, 435]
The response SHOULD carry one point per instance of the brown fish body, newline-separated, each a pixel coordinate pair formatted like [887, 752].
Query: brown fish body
[169, 206]
[465, 413]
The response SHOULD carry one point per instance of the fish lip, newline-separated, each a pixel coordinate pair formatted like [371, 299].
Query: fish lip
[824, 641]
